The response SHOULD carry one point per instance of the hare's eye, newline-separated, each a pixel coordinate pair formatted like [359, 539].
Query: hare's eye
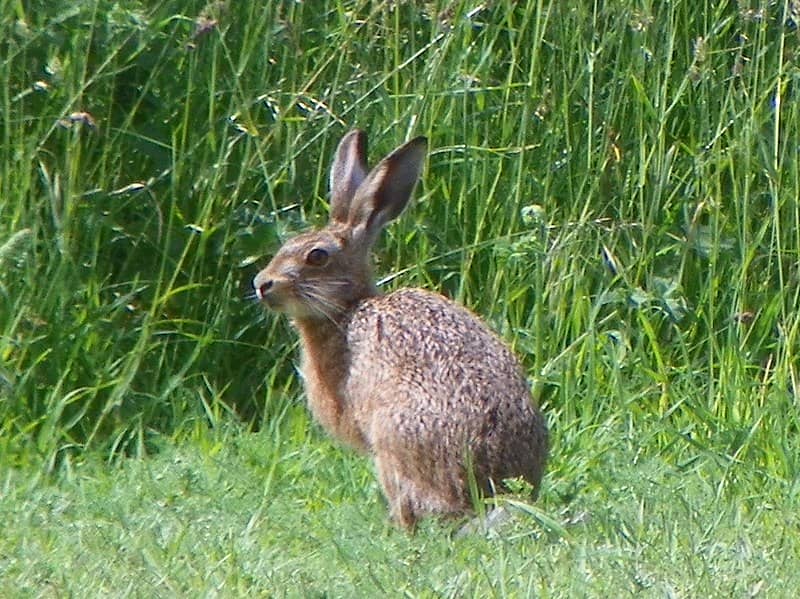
[317, 257]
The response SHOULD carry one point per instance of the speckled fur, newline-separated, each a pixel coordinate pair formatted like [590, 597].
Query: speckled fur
[411, 378]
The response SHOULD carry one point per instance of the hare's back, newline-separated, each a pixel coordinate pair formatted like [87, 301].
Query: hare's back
[416, 346]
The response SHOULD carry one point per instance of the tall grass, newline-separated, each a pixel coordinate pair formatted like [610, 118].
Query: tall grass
[613, 185]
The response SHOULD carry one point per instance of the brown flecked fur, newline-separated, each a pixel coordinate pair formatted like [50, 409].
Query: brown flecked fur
[411, 378]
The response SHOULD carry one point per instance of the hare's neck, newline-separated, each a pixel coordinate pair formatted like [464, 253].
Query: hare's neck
[326, 365]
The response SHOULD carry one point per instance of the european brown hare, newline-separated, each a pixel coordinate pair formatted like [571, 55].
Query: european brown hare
[411, 378]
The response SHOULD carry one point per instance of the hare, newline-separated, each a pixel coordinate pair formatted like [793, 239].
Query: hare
[411, 378]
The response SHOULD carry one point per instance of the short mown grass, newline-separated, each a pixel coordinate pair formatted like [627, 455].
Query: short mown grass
[255, 514]
[613, 186]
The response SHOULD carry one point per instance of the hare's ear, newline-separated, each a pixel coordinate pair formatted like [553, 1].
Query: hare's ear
[386, 190]
[348, 171]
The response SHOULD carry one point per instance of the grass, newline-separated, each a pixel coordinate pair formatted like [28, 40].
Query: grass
[256, 514]
[612, 185]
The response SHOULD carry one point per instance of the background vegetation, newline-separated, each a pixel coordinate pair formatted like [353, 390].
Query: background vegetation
[614, 186]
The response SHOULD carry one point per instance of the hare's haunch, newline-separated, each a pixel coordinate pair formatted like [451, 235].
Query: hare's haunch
[413, 379]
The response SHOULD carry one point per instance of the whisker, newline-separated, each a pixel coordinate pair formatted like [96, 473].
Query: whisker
[341, 282]
[320, 298]
[320, 302]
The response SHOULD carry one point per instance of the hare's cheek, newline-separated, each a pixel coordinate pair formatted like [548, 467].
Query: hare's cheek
[300, 310]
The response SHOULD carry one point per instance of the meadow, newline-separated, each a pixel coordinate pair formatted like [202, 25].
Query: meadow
[613, 186]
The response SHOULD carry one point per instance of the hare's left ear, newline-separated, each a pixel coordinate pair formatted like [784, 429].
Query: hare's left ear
[386, 190]
[348, 171]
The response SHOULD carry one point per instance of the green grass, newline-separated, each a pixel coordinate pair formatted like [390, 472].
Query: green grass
[260, 514]
[614, 186]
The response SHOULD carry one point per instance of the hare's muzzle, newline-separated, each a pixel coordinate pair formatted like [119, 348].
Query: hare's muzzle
[276, 291]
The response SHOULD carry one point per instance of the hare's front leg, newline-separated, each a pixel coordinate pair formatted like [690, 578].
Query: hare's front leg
[411, 496]
[400, 491]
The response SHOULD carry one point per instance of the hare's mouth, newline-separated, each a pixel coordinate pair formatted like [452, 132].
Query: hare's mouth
[273, 302]
[294, 306]
[281, 301]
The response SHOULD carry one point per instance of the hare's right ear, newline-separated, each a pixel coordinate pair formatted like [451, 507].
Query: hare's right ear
[348, 171]
[386, 190]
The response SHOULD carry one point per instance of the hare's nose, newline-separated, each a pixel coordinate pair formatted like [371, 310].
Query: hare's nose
[263, 289]
[262, 286]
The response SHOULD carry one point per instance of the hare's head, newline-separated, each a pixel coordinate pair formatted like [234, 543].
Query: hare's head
[320, 275]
